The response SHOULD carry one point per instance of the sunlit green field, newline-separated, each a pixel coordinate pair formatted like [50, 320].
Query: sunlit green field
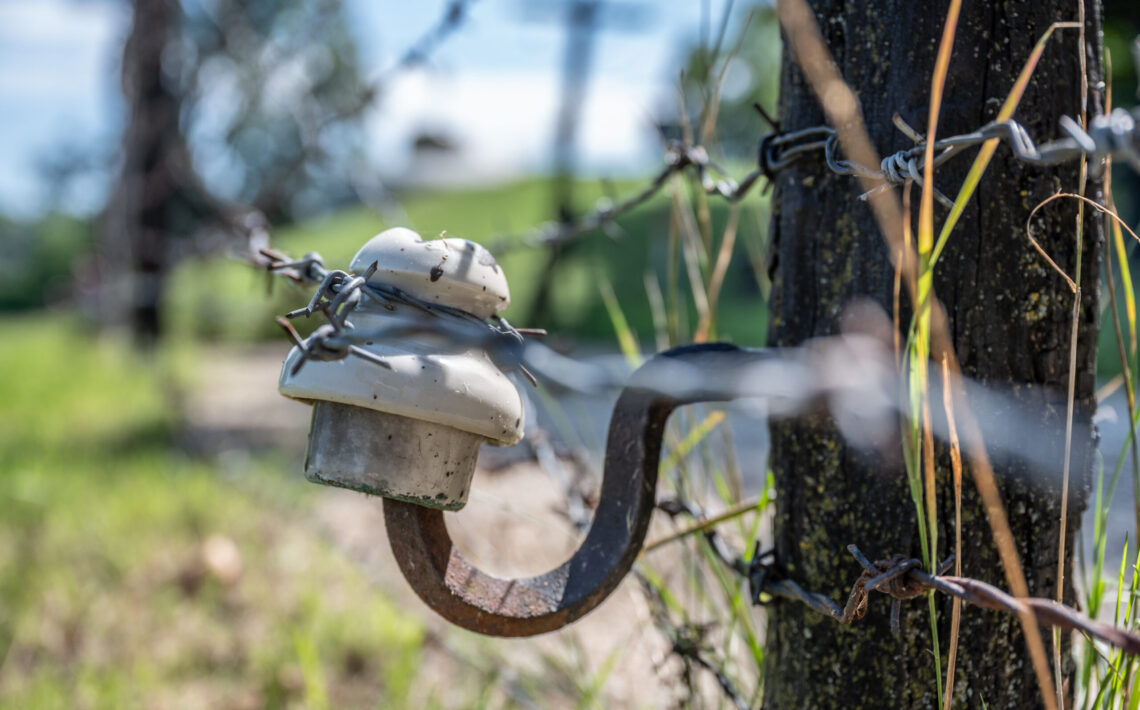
[133, 576]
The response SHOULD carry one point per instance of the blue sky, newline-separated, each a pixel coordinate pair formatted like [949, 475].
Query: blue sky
[57, 86]
[493, 86]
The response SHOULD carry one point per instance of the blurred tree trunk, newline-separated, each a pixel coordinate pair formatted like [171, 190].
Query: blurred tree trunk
[160, 209]
[135, 224]
[1009, 322]
[582, 26]
[149, 206]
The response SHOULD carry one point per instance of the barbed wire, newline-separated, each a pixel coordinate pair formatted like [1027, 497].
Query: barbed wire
[339, 292]
[687, 642]
[678, 157]
[901, 578]
[1115, 134]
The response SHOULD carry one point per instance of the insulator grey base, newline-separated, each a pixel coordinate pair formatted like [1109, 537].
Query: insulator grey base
[391, 456]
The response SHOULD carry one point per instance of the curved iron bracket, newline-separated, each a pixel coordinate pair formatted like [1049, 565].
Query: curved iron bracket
[480, 602]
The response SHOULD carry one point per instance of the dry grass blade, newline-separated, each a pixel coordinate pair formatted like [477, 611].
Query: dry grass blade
[982, 161]
[956, 468]
[1076, 320]
[716, 281]
[842, 109]
[986, 482]
[937, 86]
[1045, 255]
[705, 523]
[1091, 203]
[712, 108]
[691, 246]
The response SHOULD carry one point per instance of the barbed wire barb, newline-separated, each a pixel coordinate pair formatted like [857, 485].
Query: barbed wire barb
[902, 578]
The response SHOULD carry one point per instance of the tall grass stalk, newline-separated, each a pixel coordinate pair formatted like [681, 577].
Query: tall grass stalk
[1076, 321]
[930, 251]
[956, 469]
[920, 348]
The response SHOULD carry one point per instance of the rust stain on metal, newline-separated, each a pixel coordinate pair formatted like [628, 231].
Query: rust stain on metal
[480, 602]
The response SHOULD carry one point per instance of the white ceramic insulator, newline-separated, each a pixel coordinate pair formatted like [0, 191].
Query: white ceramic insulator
[451, 272]
[431, 379]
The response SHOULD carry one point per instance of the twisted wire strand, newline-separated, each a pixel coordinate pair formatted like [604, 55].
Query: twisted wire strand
[338, 293]
[903, 578]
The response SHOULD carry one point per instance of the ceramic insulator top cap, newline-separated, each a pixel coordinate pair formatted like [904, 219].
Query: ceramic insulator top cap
[450, 272]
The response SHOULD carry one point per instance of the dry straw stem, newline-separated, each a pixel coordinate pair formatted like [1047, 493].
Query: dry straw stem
[842, 109]
[1076, 320]
[1111, 214]
[704, 524]
[691, 246]
[708, 130]
[1044, 254]
[956, 467]
[938, 84]
[716, 281]
[986, 153]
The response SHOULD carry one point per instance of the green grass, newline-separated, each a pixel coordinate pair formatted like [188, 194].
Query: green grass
[106, 597]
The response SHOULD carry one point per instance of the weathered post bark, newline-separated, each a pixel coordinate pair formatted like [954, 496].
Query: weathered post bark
[1010, 323]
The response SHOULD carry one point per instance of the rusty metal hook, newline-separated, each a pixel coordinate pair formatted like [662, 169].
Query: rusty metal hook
[480, 602]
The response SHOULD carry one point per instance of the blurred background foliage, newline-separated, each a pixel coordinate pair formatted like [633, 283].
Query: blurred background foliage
[270, 100]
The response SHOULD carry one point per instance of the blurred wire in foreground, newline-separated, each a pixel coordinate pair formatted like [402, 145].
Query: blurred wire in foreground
[902, 578]
[851, 375]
